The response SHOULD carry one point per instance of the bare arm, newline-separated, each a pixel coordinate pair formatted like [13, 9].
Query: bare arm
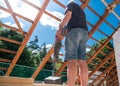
[65, 20]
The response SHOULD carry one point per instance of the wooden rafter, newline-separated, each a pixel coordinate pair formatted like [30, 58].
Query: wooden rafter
[103, 73]
[7, 51]
[99, 50]
[18, 15]
[14, 16]
[10, 40]
[27, 38]
[102, 63]
[5, 60]
[98, 23]
[56, 1]
[107, 74]
[42, 64]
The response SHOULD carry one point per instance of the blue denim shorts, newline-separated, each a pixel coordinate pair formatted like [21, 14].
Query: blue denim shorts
[75, 44]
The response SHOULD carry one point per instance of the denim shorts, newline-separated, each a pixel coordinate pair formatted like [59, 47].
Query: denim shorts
[75, 44]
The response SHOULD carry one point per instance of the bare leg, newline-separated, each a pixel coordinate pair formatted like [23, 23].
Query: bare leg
[72, 72]
[83, 69]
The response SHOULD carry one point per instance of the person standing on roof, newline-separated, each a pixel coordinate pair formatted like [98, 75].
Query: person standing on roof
[75, 43]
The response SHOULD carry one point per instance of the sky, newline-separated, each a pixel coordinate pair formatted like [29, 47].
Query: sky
[47, 26]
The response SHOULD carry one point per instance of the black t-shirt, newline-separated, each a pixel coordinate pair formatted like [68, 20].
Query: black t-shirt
[78, 19]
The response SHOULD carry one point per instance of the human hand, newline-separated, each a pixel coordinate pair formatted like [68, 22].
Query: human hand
[59, 36]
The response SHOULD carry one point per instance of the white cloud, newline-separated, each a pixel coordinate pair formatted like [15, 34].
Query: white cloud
[36, 2]
[87, 49]
[2, 3]
[14, 25]
[22, 8]
[49, 46]
[47, 20]
[26, 10]
[4, 14]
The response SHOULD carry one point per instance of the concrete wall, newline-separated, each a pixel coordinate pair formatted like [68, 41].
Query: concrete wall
[116, 41]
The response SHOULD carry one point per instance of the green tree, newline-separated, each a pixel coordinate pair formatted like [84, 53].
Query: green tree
[25, 58]
[33, 44]
[100, 56]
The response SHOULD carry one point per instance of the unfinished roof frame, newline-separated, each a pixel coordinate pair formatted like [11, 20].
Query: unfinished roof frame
[100, 78]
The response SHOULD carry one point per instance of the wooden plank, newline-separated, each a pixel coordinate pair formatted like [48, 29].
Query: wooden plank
[105, 79]
[98, 23]
[5, 60]
[99, 50]
[14, 84]
[58, 72]
[10, 40]
[42, 64]
[100, 17]
[49, 14]
[14, 17]
[114, 82]
[3, 68]
[103, 73]
[9, 27]
[32, 5]
[85, 4]
[7, 51]
[27, 37]
[59, 3]
[102, 63]
[18, 15]
[48, 85]
[6, 79]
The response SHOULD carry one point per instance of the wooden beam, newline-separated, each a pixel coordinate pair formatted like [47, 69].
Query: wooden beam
[102, 32]
[10, 40]
[112, 79]
[85, 4]
[7, 51]
[59, 3]
[18, 15]
[38, 8]
[15, 80]
[97, 29]
[27, 37]
[99, 50]
[5, 60]
[14, 16]
[31, 4]
[58, 72]
[102, 63]
[101, 43]
[10, 27]
[42, 64]
[105, 79]
[3, 68]
[103, 73]
[112, 76]
[49, 14]
[100, 17]
[114, 82]
[98, 23]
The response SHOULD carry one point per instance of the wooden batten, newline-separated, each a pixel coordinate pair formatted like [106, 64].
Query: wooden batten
[7, 79]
